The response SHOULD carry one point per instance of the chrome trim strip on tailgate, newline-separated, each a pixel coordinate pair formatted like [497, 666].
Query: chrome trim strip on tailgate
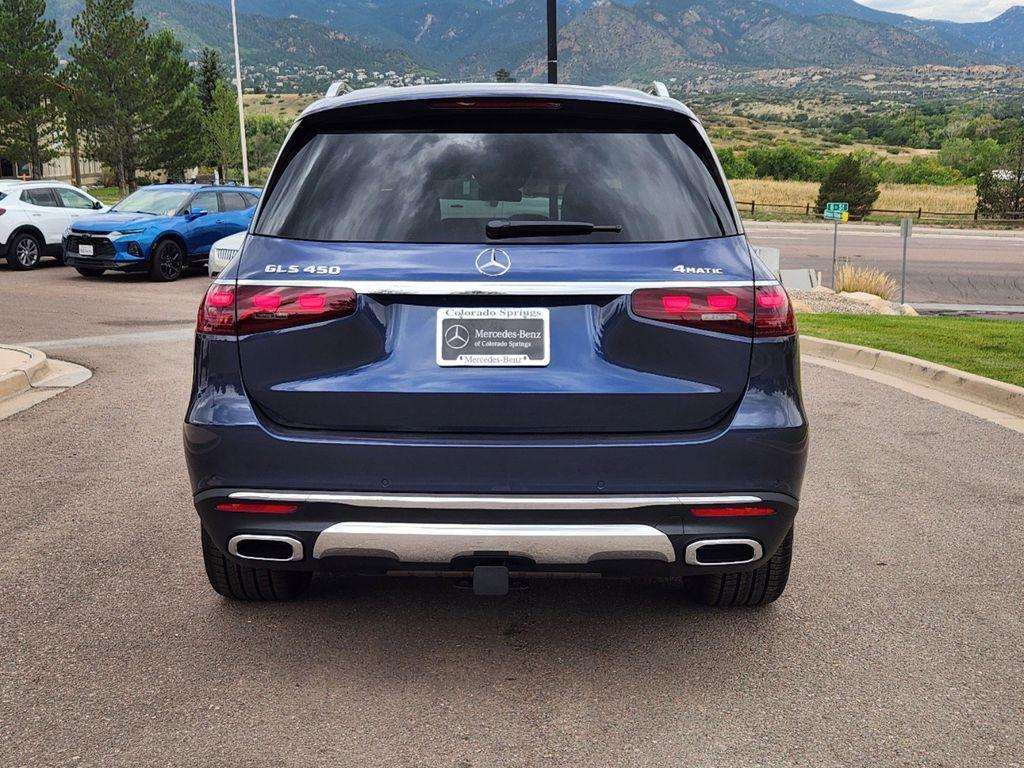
[543, 544]
[508, 501]
[495, 288]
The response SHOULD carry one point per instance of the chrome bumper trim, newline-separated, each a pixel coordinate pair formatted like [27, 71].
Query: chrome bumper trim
[543, 544]
[496, 287]
[494, 502]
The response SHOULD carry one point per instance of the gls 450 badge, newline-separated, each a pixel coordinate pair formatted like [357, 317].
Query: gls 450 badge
[684, 270]
[312, 269]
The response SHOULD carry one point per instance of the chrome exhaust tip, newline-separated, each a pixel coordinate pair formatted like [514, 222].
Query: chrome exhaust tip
[276, 549]
[723, 552]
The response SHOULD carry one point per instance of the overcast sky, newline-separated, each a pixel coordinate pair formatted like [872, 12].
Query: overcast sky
[954, 10]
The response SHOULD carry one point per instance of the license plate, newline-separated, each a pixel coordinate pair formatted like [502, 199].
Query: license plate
[84, 250]
[493, 337]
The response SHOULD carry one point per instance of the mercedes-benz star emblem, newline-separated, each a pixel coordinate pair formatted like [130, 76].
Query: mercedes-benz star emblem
[456, 336]
[493, 262]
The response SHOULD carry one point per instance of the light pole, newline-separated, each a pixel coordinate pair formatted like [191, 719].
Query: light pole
[238, 87]
[552, 41]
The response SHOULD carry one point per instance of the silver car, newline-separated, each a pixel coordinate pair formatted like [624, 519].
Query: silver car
[223, 251]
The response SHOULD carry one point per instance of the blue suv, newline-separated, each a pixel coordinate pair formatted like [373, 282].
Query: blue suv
[162, 229]
[497, 329]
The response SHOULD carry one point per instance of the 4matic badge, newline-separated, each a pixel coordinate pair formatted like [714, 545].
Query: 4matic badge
[685, 270]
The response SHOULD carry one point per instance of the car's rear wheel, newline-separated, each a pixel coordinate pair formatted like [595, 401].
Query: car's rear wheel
[24, 251]
[242, 582]
[90, 271]
[745, 588]
[168, 262]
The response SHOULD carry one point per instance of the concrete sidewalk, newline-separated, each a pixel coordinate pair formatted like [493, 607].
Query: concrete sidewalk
[28, 377]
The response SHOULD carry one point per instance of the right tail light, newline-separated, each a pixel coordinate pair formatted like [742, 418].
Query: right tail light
[762, 311]
[228, 310]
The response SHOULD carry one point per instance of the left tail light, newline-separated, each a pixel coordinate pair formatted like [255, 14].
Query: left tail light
[228, 310]
[761, 311]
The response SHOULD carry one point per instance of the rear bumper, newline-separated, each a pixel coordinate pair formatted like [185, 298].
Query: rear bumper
[235, 453]
[621, 535]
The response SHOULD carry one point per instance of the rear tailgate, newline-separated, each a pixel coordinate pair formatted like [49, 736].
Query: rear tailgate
[387, 366]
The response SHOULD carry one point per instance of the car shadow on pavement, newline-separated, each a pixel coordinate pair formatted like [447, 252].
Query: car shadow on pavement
[413, 626]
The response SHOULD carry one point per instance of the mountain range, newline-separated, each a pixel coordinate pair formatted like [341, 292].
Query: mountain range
[599, 40]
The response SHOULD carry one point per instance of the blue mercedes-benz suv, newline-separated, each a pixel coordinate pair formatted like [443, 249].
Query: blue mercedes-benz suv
[492, 329]
[162, 229]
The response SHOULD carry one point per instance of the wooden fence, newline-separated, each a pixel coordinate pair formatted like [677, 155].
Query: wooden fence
[919, 214]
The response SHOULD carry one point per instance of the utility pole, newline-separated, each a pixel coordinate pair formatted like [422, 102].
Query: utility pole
[552, 41]
[238, 87]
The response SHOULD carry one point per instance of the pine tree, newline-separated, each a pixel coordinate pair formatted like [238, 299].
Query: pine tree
[136, 104]
[174, 141]
[29, 99]
[108, 69]
[849, 182]
[209, 72]
[222, 130]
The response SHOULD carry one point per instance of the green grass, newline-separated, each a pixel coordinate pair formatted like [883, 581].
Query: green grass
[108, 195]
[992, 348]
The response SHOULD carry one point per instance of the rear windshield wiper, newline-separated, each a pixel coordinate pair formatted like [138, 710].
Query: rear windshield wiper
[502, 228]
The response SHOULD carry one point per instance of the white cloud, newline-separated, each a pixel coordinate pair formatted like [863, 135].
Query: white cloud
[953, 10]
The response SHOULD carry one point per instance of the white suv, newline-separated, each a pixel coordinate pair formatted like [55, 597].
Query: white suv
[34, 215]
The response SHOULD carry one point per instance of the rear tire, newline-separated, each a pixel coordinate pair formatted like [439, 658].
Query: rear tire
[242, 582]
[89, 271]
[24, 251]
[745, 588]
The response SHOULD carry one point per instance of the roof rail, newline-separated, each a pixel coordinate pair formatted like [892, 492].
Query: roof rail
[657, 88]
[337, 88]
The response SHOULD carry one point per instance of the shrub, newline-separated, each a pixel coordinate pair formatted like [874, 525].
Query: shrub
[787, 162]
[735, 165]
[849, 182]
[865, 279]
[971, 158]
[920, 170]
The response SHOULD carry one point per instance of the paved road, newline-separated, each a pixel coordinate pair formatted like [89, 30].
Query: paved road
[898, 643]
[947, 266]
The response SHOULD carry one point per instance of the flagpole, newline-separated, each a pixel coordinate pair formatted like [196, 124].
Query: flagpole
[238, 87]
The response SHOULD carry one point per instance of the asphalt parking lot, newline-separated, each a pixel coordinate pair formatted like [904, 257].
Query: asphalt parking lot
[898, 642]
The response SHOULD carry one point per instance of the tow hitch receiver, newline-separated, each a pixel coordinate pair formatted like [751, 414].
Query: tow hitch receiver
[490, 580]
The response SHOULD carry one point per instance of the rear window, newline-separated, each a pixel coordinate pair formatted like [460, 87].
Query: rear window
[436, 187]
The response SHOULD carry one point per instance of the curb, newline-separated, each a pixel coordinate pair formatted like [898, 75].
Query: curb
[998, 395]
[29, 377]
[20, 377]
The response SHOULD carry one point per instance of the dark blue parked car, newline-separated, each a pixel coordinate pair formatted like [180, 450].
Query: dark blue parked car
[161, 229]
[486, 329]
